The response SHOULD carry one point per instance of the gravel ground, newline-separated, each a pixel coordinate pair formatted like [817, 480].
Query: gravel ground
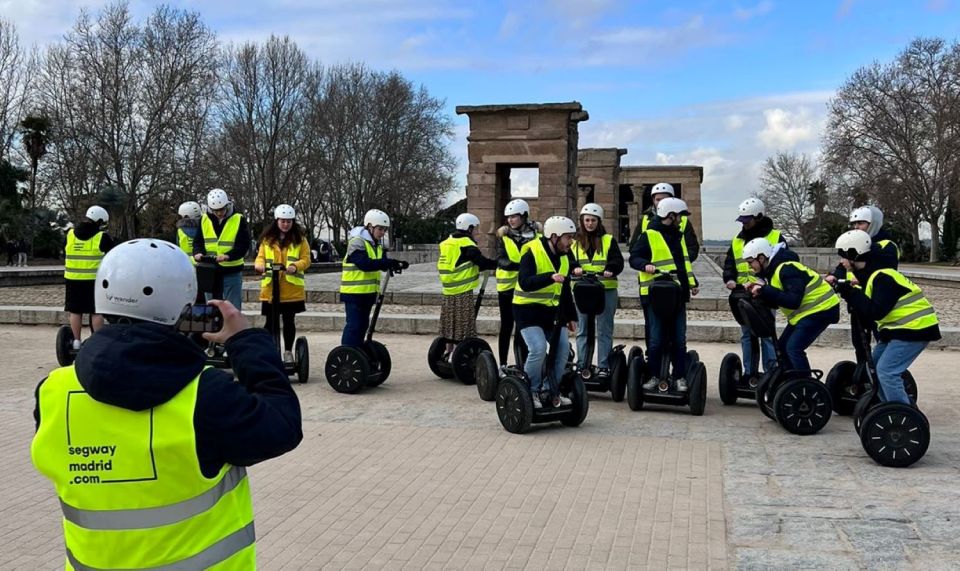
[946, 301]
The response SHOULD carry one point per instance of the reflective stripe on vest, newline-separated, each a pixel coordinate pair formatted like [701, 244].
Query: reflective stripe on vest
[662, 259]
[817, 296]
[82, 257]
[222, 244]
[646, 218]
[599, 261]
[912, 311]
[292, 257]
[744, 275]
[129, 481]
[456, 279]
[354, 280]
[186, 244]
[550, 295]
[507, 279]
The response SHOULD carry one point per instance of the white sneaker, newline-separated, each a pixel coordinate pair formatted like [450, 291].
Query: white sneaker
[651, 384]
[76, 344]
[288, 356]
[537, 405]
[681, 385]
[564, 401]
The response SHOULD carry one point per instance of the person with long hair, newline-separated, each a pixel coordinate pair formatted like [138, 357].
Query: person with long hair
[283, 242]
[597, 251]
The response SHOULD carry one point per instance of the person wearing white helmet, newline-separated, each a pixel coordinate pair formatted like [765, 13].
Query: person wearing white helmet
[807, 302]
[283, 242]
[596, 251]
[511, 237]
[884, 252]
[363, 262]
[663, 248]
[142, 408]
[459, 266]
[736, 272]
[903, 318]
[188, 226]
[226, 236]
[86, 245]
[658, 192]
[541, 301]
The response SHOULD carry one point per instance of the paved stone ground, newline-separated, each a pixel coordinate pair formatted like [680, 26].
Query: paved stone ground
[419, 474]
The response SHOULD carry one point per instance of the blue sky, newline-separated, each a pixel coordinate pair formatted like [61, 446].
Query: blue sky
[722, 84]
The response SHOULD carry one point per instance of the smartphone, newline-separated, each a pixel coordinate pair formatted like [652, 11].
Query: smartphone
[201, 318]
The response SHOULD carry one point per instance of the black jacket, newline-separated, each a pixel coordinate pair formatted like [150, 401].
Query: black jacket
[536, 314]
[880, 257]
[693, 243]
[240, 246]
[144, 365]
[794, 282]
[473, 253]
[641, 255]
[503, 259]
[87, 229]
[614, 258]
[886, 293]
[760, 230]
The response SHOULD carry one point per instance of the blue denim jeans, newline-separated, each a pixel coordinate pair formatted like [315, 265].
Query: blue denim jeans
[892, 359]
[604, 339]
[767, 352]
[232, 289]
[796, 338]
[536, 340]
[658, 342]
[358, 321]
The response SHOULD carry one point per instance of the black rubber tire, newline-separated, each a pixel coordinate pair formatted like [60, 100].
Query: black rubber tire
[838, 382]
[802, 406]
[698, 390]
[910, 385]
[860, 410]
[487, 375]
[435, 360]
[380, 363]
[895, 434]
[301, 354]
[692, 355]
[765, 402]
[464, 359]
[514, 405]
[65, 354]
[634, 353]
[581, 404]
[635, 384]
[731, 371]
[347, 369]
[618, 376]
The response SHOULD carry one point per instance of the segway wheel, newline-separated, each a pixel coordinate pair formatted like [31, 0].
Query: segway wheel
[347, 369]
[635, 384]
[895, 435]
[301, 352]
[802, 406]
[464, 358]
[581, 404]
[910, 385]
[65, 354]
[380, 363]
[514, 405]
[487, 375]
[840, 381]
[731, 371]
[438, 366]
[764, 399]
[633, 354]
[860, 410]
[618, 376]
[692, 356]
[698, 390]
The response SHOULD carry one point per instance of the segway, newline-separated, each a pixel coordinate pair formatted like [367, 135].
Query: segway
[460, 363]
[301, 351]
[488, 375]
[665, 300]
[733, 382]
[796, 399]
[65, 351]
[209, 278]
[350, 369]
[589, 294]
[515, 400]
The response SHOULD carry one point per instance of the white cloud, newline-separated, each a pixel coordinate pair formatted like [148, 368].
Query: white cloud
[750, 13]
[785, 129]
[734, 122]
[510, 25]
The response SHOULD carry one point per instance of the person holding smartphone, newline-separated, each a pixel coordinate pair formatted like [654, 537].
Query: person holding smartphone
[142, 441]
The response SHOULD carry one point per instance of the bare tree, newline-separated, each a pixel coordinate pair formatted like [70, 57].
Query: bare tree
[785, 179]
[12, 83]
[899, 124]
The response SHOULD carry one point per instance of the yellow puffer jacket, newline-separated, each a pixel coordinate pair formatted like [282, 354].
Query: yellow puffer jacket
[288, 291]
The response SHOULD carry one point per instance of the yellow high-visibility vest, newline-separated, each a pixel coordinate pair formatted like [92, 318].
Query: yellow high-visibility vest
[818, 295]
[598, 262]
[744, 275]
[456, 279]
[646, 218]
[550, 295]
[186, 244]
[82, 257]
[222, 244]
[662, 259]
[293, 256]
[912, 311]
[354, 280]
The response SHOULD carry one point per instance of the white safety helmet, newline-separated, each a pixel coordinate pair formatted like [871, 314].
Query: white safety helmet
[466, 221]
[757, 246]
[592, 209]
[375, 217]
[853, 244]
[558, 226]
[146, 279]
[750, 207]
[517, 206]
[217, 199]
[862, 214]
[284, 212]
[98, 214]
[191, 210]
[670, 206]
[662, 188]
